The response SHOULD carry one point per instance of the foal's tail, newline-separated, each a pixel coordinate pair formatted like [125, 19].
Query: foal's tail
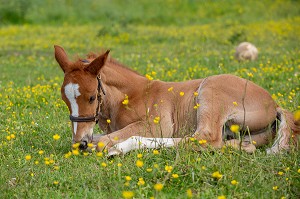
[288, 132]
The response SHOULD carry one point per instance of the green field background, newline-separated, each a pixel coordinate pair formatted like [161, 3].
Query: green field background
[170, 40]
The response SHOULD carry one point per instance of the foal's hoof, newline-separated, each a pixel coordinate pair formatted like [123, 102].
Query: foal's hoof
[113, 152]
[278, 149]
[249, 148]
[273, 150]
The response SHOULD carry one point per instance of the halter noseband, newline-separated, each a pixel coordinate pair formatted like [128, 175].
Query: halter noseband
[99, 99]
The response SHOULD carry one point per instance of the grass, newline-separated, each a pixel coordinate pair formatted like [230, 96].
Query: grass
[189, 40]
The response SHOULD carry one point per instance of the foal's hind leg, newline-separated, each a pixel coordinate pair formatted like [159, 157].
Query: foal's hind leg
[211, 121]
[250, 142]
[209, 125]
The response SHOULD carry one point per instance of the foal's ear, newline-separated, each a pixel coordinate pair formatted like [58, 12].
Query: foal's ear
[61, 57]
[95, 66]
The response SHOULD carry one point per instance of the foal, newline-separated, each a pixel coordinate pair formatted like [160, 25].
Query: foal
[135, 112]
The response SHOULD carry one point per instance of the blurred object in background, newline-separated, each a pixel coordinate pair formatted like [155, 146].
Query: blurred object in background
[246, 51]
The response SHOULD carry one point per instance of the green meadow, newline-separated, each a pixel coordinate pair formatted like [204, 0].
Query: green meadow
[169, 40]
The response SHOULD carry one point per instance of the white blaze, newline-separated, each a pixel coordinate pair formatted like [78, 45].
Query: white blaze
[72, 92]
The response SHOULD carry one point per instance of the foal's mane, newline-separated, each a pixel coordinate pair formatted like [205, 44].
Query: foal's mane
[110, 61]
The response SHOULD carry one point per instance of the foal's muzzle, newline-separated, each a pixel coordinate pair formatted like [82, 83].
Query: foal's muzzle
[83, 145]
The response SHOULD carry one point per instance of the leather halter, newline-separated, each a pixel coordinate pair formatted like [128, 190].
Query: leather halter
[93, 118]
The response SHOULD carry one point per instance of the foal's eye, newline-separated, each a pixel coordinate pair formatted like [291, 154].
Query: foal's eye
[92, 99]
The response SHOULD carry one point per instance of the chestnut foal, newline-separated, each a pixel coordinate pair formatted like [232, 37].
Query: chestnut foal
[135, 112]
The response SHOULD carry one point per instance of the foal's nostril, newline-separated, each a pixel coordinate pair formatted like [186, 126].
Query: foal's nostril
[83, 145]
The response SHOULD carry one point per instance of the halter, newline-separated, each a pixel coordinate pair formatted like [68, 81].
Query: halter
[99, 99]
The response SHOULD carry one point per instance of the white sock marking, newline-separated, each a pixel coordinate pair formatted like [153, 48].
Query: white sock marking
[72, 92]
[137, 142]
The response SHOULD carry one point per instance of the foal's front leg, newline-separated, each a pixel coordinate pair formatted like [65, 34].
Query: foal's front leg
[131, 138]
[111, 139]
[139, 142]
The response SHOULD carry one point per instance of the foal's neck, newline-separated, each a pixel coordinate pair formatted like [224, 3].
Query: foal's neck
[118, 77]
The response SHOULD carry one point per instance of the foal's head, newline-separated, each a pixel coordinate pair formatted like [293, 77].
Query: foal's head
[80, 91]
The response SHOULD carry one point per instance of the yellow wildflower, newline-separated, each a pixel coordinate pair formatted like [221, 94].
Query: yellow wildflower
[234, 182]
[250, 74]
[149, 170]
[196, 94]
[139, 155]
[158, 186]
[126, 100]
[108, 121]
[235, 128]
[175, 175]
[170, 89]
[139, 163]
[149, 77]
[202, 141]
[99, 154]
[103, 164]
[127, 178]
[275, 188]
[90, 145]
[217, 175]
[127, 194]
[119, 164]
[235, 103]
[141, 182]
[100, 144]
[253, 142]
[8, 137]
[155, 152]
[41, 152]
[222, 197]
[67, 155]
[56, 137]
[76, 145]
[156, 120]
[28, 157]
[287, 169]
[168, 168]
[55, 182]
[280, 173]
[181, 93]
[189, 193]
[274, 97]
[75, 152]
[196, 106]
